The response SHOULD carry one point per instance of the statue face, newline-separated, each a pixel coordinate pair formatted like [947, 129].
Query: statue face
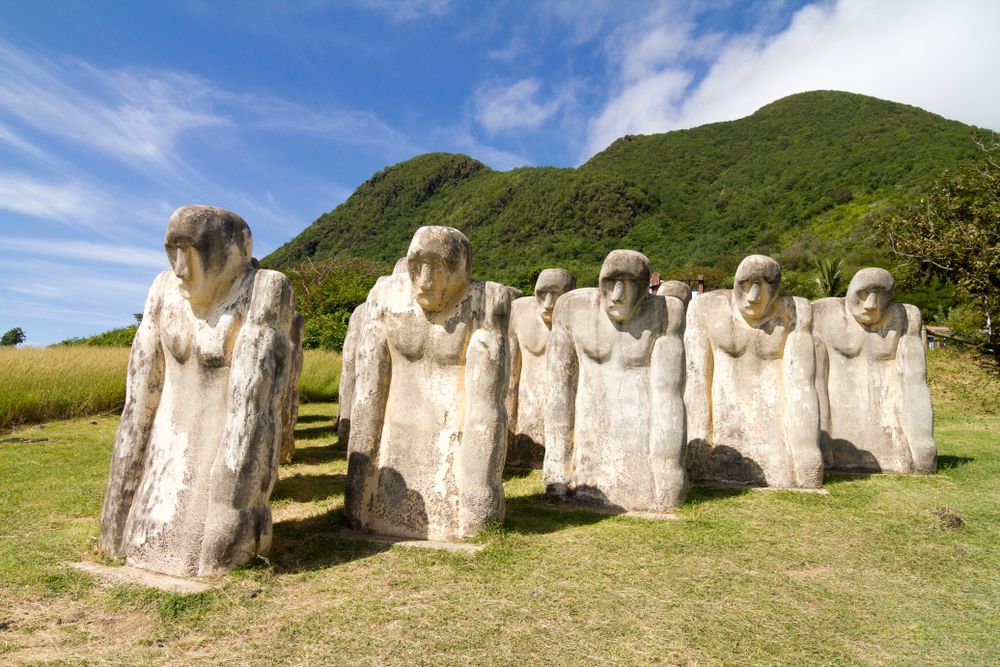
[437, 262]
[624, 283]
[869, 295]
[552, 284]
[207, 249]
[755, 291]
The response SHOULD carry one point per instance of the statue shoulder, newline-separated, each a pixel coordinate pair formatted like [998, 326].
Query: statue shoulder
[912, 317]
[271, 302]
[801, 311]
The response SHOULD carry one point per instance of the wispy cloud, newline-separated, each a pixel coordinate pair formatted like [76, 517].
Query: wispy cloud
[69, 202]
[134, 117]
[409, 10]
[104, 253]
[515, 106]
[935, 55]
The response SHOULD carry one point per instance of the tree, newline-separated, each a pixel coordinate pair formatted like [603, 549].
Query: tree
[829, 277]
[954, 231]
[13, 337]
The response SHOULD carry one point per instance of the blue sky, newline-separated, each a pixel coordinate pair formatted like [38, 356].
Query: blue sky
[112, 114]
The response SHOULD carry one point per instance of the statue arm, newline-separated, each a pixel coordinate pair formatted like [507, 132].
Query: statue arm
[345, 389]
[801, 408]
[514, 350]
[917, 414]
[822, 357]
[143, 386]
[371, 392]
[480, 457]
[668, 417]
[245, 466]
[698, 382]
[562, 375]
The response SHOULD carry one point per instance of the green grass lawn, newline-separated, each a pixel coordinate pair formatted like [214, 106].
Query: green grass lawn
[870, 574]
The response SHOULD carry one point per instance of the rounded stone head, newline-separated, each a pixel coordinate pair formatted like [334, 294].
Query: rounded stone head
[208, 248]
[624, 282]
[675, 288]
[869, 295]
[552, 284]
[439, 262]
[755, 289]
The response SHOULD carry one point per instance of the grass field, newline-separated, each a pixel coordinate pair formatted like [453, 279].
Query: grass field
[875, 573]
[37, 384]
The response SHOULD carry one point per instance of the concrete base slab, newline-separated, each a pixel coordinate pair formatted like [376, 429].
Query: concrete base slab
[455, 547]
[568, 506]
[133, 575]
[746, 487]
[819, 492]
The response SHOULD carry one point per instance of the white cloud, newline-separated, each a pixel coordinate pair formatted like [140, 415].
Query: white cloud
[88, 251]
[134, 117]
[410, 10]
[943, 57]
[63, 202]
[515, 106]
[461, 140]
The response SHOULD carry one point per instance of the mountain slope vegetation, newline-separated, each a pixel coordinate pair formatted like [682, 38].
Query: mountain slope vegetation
[801, 176]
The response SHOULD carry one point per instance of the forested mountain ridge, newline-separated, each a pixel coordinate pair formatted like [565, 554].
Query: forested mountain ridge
[800, 176]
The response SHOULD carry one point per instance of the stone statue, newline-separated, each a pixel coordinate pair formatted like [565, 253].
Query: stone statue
[753, 415]
[675, 288]
[530, 323]
[348, 356]
[614, 420]
[428, 431]
[196, 452]
[871, 377]
[290, 406]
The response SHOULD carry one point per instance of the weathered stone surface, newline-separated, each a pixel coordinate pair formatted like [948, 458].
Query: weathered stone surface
[875, 407]
[753, 414]
[530, 323]
[290, 404]
[614, 421]
[349, 353]
[196, 452]
[428, 431]
[677, 289]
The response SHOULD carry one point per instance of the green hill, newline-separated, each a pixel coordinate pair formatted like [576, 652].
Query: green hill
[798, 177]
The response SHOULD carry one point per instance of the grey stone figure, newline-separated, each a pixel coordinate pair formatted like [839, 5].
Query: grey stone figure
[875, 407]
[290, 406]
[428, 431]
[614, 422]
[530, 324]
[196, 452]
[753, 414]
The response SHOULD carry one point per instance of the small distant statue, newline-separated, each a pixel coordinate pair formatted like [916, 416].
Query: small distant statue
[614, 423]
[677, 289]
[875, 407]
[196, 453]
[428, 424]
[530, 323]
[753, 415]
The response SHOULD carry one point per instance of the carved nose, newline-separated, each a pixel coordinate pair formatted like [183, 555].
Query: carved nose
[426, 279]
[871, 303]
[182, 268]
[618, 293]
[754, 295]
[548, 302]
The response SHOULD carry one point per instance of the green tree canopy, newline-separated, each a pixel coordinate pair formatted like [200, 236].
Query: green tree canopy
[13, 337]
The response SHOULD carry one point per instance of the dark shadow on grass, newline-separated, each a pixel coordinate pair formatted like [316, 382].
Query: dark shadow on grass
[309, 419]
[317, 455]
[947, 461]
[516, 473]
[308, 488]
[707, 493]
[538, 514]
[315, 432]
[314, 543]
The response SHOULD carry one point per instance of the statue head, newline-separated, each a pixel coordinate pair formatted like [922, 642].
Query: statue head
[869, 295]
[755, 289]
[439, 262]
[675, 288]
[624, 282]
[552, 284]
[208, 249]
